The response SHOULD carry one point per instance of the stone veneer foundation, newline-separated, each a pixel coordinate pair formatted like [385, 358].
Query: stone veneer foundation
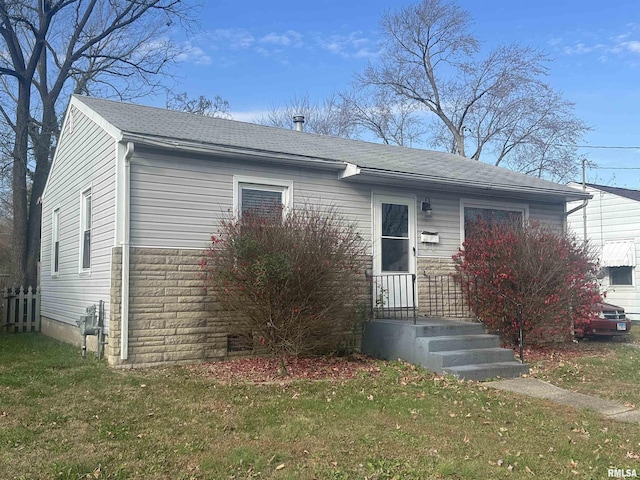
[439, 297]
[172, 318]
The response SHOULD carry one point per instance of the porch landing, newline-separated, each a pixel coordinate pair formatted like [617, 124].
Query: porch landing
[441, 345]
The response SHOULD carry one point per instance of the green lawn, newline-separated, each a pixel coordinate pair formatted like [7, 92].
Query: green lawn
[61, 417]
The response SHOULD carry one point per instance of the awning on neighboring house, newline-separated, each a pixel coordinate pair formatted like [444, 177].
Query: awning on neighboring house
[619, 254]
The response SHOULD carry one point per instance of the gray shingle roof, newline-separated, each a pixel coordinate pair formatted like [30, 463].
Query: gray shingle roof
[161, 124]
[621, 192]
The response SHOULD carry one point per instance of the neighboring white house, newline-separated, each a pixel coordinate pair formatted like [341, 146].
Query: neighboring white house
[613, 229]
[135, 193]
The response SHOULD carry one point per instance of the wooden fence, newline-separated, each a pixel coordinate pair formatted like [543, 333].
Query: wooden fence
[21, 310]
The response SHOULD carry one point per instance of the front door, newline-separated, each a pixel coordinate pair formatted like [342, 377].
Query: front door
[394, 251]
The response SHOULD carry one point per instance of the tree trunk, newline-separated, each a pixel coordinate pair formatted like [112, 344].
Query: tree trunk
[42, 152]
[19, 182]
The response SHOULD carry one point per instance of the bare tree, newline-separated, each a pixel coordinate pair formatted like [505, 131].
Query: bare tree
[218, 107]
[326, 118]
[392, 119]
[499, 104]
[50, 48]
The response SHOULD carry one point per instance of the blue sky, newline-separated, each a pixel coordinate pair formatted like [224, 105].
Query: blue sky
[258, 55]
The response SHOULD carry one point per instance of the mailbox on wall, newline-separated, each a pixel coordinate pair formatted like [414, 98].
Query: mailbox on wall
[429, 237]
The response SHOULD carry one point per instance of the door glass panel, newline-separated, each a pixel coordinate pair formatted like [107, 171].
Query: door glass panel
[395, 220]
[395, 255]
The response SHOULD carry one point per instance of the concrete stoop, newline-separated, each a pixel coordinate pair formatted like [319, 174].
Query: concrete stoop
[459, 348]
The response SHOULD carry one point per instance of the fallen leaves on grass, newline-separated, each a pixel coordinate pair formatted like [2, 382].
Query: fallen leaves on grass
[265, 370]
[545, 360]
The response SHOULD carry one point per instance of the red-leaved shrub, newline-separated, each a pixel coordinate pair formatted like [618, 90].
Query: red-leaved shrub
[551, 275]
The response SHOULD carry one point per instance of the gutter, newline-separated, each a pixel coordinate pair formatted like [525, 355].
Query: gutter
[492, 187]
[124, 289]
[236, 152]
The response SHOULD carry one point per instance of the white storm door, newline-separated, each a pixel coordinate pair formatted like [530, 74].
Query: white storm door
[394, 250]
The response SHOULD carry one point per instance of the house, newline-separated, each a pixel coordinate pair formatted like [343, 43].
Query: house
[135, 192]
[612, 223]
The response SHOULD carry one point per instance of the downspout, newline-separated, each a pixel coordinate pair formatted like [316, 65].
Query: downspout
[124, 303]
[584, 203]
[579, 207]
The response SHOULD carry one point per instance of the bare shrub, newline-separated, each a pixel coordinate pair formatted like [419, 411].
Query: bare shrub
[294, 280]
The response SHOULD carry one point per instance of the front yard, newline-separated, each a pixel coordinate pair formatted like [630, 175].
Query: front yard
[61, 417]
[605, 368]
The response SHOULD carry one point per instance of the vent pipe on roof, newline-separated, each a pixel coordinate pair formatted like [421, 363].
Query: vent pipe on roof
[299, 121]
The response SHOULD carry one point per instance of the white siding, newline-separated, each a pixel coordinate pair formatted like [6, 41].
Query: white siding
[177, 201]
[445, 219]
[84, 158]
[611, 217]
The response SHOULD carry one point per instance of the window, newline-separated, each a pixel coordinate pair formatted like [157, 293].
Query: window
[620, 275]
[263, 197]
[261, 200]
[55, 242]
[85, 231]
[498, 213]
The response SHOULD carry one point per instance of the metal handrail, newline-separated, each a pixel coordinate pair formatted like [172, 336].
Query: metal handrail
[388, 288]
[445, 297]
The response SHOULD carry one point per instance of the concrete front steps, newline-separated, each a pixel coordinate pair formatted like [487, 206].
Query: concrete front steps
[459, 348]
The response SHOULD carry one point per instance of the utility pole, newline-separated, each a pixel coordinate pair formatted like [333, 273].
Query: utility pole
[584, 189]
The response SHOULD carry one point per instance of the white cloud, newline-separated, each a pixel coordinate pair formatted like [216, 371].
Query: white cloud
[578, 49]
[250, 116]
[632, 46]
[623, 44]
[236, 39]
[347, 46]
[290, 38]
[555, 41]
[193, 54]
[275, 39]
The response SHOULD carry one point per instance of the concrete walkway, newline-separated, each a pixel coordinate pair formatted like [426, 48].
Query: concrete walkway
[539, 389]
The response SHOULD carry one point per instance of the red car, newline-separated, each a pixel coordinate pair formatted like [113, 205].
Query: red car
[611, 321]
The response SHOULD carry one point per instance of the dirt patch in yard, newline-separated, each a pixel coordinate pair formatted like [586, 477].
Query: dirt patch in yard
[269, 370]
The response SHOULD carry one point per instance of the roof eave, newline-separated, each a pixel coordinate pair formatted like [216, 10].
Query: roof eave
[226, 151]
[566, 194]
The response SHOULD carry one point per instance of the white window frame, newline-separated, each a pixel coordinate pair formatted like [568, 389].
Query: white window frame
[84, 195]
[285, 187]
[491, 205]
[55, 238]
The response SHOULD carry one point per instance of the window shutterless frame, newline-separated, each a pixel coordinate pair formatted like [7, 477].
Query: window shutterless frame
[260, 193]
[501, 208]
[86, 219]
[55, 242]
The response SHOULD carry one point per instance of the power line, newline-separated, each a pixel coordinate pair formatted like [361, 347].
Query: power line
[610, 147]
[614, 168]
